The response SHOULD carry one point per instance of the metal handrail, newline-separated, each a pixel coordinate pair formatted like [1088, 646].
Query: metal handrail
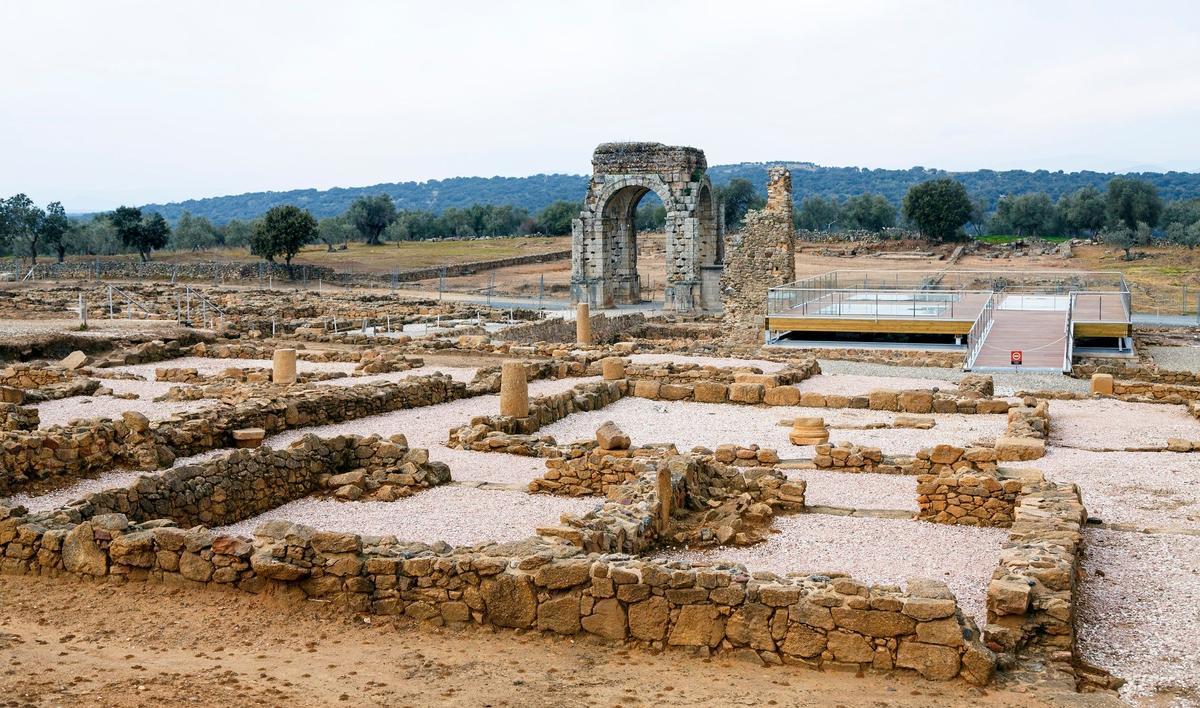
[1069, 333]
[979, 331]
[129, 299]
[784, 300]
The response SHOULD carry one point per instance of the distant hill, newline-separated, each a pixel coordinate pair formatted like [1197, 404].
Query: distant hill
[535, 192]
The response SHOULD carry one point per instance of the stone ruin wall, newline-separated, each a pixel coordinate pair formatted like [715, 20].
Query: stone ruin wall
[606, 329]
[87, 447]
[765, 257]
[815, 621]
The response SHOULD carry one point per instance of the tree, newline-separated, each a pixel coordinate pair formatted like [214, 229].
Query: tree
[194, 233]
[54, 229]
[1083, 211]
[1028, 214]
[283, 231]
[870, 212]
[738, 197]
[817, 213]
[555, 220]
[371, 215]
[651, 217]
[20, 220]
[142, 232]
[237, 233]
[978, 221]
[938, 208]
[94, 238]
[1184, 234]
[336, 229]
[1126, 238]
[1132, 201]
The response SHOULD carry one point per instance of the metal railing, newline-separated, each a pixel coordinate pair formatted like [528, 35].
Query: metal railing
[1045, 281]
[1069, 333]
[817, 301]
[979, 331]
[208, 310]
[130, 303]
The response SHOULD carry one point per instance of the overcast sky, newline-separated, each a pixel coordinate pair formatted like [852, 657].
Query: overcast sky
[104, 103]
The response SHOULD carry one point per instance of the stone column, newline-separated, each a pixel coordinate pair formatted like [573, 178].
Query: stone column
[613, 368]
[283, 366]
[808, 431]
[514, 390]
[583, 324]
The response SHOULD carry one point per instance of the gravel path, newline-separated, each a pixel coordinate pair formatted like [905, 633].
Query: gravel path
[767, 366]
[456, 515]
[1138, 618]
[874, 551]
[1006, 384]
[689, 424]
[1145, 489]
[67, 409]
[858, 491]
[1176, 358]
[1108, 423]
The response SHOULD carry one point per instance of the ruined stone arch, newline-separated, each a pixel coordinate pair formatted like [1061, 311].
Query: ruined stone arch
[604, 248]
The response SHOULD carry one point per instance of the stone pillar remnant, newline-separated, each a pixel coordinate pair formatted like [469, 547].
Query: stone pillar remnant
[808, 431]
[514, 390]
[612, 368]
[583, 324]
[283, 366]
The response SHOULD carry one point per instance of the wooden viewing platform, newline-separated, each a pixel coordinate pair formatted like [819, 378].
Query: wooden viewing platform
[1039, 311]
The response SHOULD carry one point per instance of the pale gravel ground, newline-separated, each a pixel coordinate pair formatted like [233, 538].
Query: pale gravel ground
[99, 328]
[1006, 384]
[65, 410]
[854, 385]
[1138, 619]
[689, 424]
[874, 551]
[1176, 358]
[457, 515]
[858, 491]
[768, 367]
[1146, 489]
[1108, 423]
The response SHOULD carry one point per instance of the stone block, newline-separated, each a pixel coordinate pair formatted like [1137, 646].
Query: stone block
[74, 360]
[248, 437]
[283, 366]
[1102, 384]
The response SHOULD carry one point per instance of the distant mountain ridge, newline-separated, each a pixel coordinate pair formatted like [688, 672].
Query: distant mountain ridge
[537, 191]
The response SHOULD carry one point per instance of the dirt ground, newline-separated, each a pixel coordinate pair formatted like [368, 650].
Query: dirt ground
[71, 643]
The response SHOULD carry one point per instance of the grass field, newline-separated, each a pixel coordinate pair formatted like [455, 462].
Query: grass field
[385, 258]
[1010, 239]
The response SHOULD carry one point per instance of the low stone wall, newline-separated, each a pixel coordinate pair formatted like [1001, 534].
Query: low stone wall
[15, 417]
[160, 270]
[246, 483]
[1027, 431]
[893, 357]
[769, 392]
[1032, 595]
[848, 457]
[88, 447]
[814, 621]
[1155, 392]
[28, 376]
[605, 329]
[496, 433]
[964, 488]
[1142, 370]
[65, 389]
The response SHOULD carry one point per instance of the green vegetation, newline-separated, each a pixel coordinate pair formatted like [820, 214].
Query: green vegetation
[283, 231]
[938, 208]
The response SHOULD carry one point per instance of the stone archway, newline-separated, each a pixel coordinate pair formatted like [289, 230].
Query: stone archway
[603, 244]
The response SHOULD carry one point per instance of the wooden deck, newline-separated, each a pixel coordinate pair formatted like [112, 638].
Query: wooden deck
[1039, 336]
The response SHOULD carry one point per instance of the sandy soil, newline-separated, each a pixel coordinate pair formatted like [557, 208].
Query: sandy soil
[1144, 489]
[149, 645]
[689, 424]
[460, 516]
[874, 551]
[1137, 613]
[1109, 424]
